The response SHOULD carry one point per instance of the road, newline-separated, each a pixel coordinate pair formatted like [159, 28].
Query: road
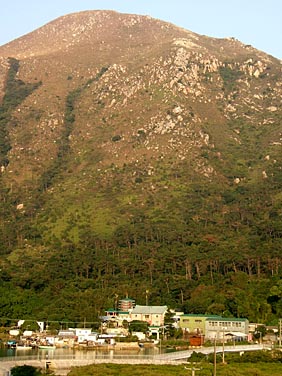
[181, 355]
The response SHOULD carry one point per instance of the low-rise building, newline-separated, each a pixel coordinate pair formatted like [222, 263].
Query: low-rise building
[66, 338]
[193, 324]
[153, 315]
[82, 334]
[223, 327]
[214, 327]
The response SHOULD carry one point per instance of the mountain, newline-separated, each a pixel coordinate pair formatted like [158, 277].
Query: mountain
[136, 155]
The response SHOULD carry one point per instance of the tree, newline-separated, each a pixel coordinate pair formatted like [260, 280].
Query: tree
[138, 326]
[260, 332]
[25, 371]
[30, 325]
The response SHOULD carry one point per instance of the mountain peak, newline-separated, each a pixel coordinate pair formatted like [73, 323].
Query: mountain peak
[82, 28]
[127, 141]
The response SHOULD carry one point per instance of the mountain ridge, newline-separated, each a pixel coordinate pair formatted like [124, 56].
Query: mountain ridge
[127, 140]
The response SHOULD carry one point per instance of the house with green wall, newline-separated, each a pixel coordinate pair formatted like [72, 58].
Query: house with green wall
[194, 324]
[213, 326]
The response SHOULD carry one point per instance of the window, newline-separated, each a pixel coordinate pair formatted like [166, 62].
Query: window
[147, 316]
[213, 323]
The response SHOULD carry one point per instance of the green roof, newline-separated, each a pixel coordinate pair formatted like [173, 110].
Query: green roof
[197, 315]
[114, 310]
[215, 317]
[210, 318]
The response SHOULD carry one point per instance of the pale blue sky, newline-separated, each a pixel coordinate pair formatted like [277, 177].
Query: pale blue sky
[255, 22]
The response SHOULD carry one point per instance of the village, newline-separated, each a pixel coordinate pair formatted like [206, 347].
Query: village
[129, 325]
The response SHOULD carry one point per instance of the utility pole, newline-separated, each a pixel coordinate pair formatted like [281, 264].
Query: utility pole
[214, 357]
[116, 302]
[193, 370]
[147, 293]
[280, 327]
[223, 338]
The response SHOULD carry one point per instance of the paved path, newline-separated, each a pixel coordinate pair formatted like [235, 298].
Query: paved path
[181, 355]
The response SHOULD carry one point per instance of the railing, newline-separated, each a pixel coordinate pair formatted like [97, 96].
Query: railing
[88, 356]
[62, 362]
[178, 355]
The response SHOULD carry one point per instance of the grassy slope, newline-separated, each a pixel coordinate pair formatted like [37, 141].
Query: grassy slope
[260, 369]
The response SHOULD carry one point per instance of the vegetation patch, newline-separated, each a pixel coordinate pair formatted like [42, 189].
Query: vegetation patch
[229, 76]
[201, 369]
[15, 93]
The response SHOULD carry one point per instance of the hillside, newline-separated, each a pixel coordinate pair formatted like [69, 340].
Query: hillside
[136, 155]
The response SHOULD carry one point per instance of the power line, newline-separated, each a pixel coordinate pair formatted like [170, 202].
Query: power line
[46, 320]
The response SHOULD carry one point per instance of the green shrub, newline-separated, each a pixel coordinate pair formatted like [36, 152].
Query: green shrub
[25, 371]
[116, 138]
[229, 77]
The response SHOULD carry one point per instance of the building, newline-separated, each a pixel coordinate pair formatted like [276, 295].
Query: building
[117, 317]
[193, 324]
[66, 338]
[82, 334]
[222, 327]
[126, 304]
[153, 315]
[214, 327]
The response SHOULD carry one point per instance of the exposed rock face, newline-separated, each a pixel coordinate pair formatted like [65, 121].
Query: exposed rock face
[166, 92]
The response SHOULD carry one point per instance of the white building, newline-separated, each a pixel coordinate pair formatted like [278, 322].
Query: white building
[221, 327]
[82, 334]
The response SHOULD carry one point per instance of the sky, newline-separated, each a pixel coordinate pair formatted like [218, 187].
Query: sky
[255, 22]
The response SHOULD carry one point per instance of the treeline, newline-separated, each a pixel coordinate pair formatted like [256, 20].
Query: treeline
[210, 251]
[81, 280]
[16, 91]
